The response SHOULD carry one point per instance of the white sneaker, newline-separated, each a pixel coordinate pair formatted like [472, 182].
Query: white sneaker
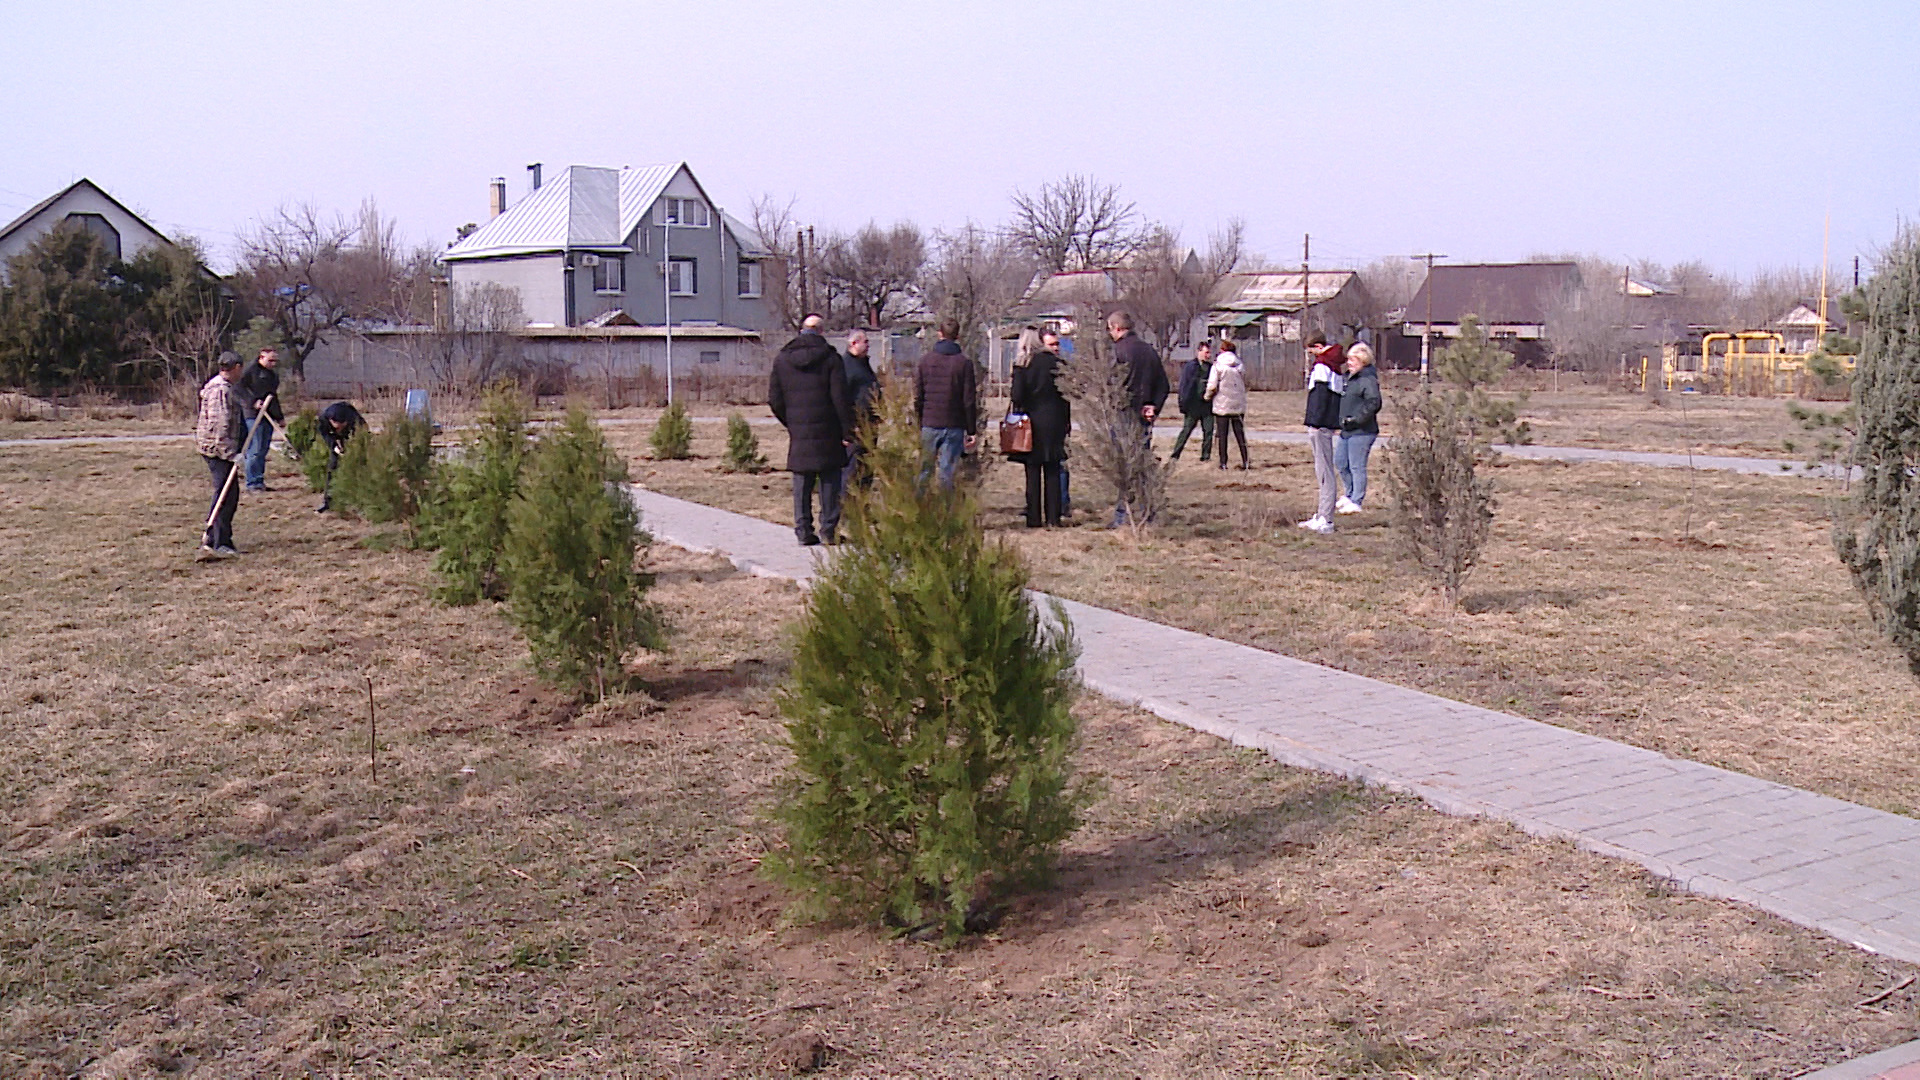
[1346, 506]
[1317, 524]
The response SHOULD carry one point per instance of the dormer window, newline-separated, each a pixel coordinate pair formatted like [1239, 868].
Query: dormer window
[688, 212]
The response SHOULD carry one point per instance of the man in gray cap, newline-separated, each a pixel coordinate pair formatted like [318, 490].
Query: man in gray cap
[219, 433]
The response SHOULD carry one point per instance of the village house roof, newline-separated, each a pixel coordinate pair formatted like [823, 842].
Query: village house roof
[1499, 293]
[1280, 290]
[586, 208]
[20, 222]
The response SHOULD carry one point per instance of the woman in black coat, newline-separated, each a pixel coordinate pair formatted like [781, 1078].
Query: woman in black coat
[1036, 394]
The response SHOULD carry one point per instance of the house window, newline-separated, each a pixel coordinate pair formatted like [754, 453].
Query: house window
[102, 228]
[689, 212]
[610, 275]
[683, 277]
[710, 356]
[749, 278]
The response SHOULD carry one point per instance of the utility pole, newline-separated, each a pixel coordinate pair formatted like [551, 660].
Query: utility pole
[1306, 295]
[800, 242]
[1426, 328]
[1856, 272]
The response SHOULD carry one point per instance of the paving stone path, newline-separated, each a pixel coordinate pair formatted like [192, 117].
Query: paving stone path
[1845, 869]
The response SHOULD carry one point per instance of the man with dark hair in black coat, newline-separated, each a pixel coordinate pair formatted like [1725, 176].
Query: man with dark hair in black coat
[1147, 386]
[336, 425]
[808, 394]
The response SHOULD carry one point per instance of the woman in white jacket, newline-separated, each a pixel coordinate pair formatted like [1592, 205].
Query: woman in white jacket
[1227, 390]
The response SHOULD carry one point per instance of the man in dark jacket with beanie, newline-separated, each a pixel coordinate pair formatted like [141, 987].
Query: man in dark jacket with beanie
[808, 394]
[945, 398]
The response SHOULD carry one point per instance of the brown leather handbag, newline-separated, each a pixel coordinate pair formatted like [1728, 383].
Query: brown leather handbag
[1016, 435]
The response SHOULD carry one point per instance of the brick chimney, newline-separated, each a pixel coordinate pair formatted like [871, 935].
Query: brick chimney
[497, 196]
[533, 171]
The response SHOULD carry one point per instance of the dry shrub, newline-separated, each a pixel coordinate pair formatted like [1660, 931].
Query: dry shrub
[1442, 508]
[1111, 440]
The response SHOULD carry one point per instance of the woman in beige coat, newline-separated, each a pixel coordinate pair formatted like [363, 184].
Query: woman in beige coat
[1227, 390]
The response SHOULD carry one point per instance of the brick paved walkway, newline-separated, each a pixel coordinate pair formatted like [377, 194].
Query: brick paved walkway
[1835, 866]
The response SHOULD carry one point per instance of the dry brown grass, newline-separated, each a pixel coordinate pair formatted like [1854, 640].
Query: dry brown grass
[1605, 419]
[1740, 644]
[200, 875]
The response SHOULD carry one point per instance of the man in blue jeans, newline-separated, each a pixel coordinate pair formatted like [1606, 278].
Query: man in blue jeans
[260, 384]
[944, 398]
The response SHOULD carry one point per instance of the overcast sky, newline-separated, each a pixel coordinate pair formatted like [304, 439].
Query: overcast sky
[1667, 130]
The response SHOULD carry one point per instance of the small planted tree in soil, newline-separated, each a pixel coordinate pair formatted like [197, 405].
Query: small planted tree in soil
[927, 711]
[1111, 440]
[467, 516]
[303, 441]
[572, 535]
[1876, 532]
[385, 475]
[1470, 366]
[743, 447]
[1441, 505]
[673, 434]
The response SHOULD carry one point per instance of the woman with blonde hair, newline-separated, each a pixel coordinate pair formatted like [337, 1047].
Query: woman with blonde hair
[1359, 427]
[1036, 393]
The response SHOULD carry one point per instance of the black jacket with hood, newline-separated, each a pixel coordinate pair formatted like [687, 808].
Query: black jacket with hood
[808, 393]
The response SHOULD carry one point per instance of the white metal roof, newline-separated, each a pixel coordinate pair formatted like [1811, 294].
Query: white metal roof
[573, 211]
[1278, 290]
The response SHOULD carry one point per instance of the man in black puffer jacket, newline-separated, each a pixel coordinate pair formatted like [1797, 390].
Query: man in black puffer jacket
[808, 394]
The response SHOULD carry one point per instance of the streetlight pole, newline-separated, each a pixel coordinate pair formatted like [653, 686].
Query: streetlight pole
[666, 278]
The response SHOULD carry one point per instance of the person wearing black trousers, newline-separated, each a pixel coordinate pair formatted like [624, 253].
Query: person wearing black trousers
[1036, 393]
[337, 424]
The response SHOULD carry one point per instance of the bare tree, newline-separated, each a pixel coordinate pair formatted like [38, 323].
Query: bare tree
[1391, 282]
[975, 276]
[875, 266]
[299, 269]
[1076, 223]
[479, 345]
[1167, 285]
[779, 279]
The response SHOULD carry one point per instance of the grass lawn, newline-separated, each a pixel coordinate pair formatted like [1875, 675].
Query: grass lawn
[1727, 633]
[1594, 417]
[201, 875]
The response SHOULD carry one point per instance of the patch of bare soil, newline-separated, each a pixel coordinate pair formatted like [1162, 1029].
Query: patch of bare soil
[201, 877]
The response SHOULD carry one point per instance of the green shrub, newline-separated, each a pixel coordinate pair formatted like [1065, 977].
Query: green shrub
[466, 518]
[303, 439]
[384, 475]
[572, 534]
[673, 435]
[1471, 366]
[743, 448]
[1441, 506]
[928, 711]
[1877, 530]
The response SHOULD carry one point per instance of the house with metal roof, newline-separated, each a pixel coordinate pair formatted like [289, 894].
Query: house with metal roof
[604, 247]
[86, 204]
[1511, 299]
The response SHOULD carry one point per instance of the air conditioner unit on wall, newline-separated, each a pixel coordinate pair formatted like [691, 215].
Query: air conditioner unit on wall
[589, 259]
